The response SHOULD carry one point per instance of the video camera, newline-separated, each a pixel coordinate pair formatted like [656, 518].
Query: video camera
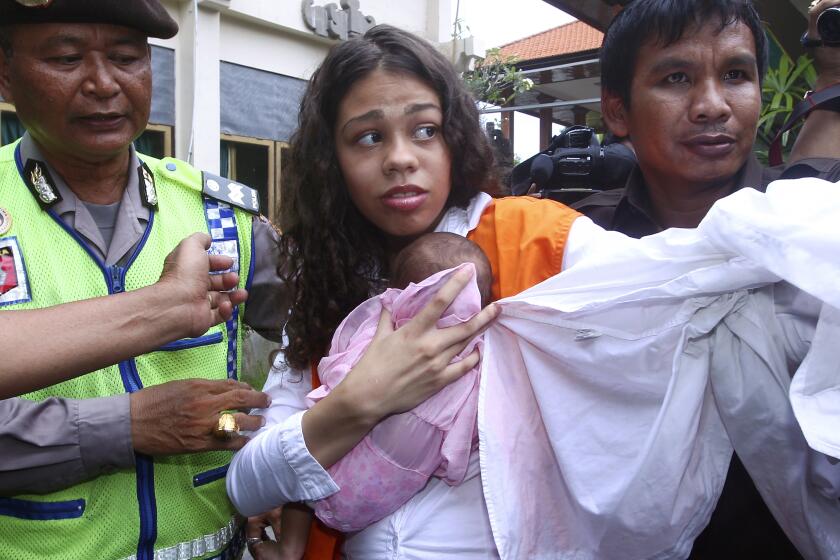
[574, 166]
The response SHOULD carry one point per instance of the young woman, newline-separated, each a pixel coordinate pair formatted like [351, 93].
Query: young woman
[389, 147]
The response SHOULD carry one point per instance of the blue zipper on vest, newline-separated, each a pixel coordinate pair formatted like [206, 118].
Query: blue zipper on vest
[144, 465]
[187, 343]
[210, 476]
[116, 280]
[148, 506]
[42, 511]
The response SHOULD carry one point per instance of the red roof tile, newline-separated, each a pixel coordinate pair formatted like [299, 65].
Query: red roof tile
[568, 38]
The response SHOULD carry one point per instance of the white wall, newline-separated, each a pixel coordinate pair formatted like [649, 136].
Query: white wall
[271, 49]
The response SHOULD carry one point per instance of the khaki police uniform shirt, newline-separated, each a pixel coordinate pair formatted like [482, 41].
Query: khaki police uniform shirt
[56, 443]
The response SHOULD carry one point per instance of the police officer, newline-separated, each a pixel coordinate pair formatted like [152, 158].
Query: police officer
[125, 462]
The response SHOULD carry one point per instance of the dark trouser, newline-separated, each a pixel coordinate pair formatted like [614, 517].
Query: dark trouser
[741, 526]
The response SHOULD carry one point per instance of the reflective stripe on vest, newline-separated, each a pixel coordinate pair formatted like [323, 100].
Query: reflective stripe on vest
[230, 534]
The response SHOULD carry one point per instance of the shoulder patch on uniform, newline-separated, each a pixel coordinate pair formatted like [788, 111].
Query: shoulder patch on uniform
[235, 194]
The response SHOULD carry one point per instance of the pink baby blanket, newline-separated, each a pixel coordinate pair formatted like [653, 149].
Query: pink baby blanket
[395, 460]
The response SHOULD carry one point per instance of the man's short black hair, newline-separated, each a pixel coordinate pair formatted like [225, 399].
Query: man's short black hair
[665, 22]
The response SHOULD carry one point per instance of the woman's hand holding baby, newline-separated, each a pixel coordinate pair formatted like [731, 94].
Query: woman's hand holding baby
[401, 369]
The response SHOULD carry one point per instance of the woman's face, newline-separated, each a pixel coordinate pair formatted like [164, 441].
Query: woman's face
[392, 154]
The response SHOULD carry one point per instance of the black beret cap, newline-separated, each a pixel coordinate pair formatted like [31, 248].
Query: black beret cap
[147, 16]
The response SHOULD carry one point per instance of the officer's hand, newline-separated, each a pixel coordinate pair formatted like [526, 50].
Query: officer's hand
[204, 296]
[826, 59]
[182, 416]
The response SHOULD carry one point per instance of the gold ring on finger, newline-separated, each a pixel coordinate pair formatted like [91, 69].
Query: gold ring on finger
[226, 427]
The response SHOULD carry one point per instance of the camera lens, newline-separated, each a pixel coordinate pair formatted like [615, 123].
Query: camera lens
[828, 25]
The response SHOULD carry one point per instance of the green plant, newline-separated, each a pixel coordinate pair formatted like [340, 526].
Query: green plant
[496, 80]
[784, 86]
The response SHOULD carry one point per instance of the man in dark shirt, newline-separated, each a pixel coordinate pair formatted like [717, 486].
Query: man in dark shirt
[688, 97]
[681, 82]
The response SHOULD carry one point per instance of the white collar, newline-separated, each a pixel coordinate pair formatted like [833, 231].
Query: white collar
[464, 220]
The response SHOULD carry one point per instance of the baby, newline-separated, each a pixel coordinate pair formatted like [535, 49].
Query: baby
[395, 460]
[436, 252]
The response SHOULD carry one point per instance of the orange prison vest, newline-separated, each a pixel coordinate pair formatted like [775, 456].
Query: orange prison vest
[524, 238]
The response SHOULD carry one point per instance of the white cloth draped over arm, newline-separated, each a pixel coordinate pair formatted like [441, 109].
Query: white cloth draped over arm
[750, 380]
[621, 385]
[602, 374]
[792, 231]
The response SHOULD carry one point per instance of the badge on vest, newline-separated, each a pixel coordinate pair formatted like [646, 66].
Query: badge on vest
[221, 224]
[233, 193]
[227, 248]
[14, 287]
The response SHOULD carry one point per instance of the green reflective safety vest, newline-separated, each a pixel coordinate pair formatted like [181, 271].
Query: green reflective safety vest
[169, 507]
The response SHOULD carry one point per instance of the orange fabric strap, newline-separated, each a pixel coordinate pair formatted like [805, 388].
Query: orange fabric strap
[324, 543]
[524, 238]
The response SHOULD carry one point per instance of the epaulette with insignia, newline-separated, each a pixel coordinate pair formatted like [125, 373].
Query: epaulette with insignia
[37, 177]
[148, 190]
[235, 194]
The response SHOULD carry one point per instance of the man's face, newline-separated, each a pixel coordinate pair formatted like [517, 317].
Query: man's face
[83, 91]
[694, 107]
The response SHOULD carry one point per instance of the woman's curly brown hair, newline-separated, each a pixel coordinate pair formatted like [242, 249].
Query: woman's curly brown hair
[330, 255]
